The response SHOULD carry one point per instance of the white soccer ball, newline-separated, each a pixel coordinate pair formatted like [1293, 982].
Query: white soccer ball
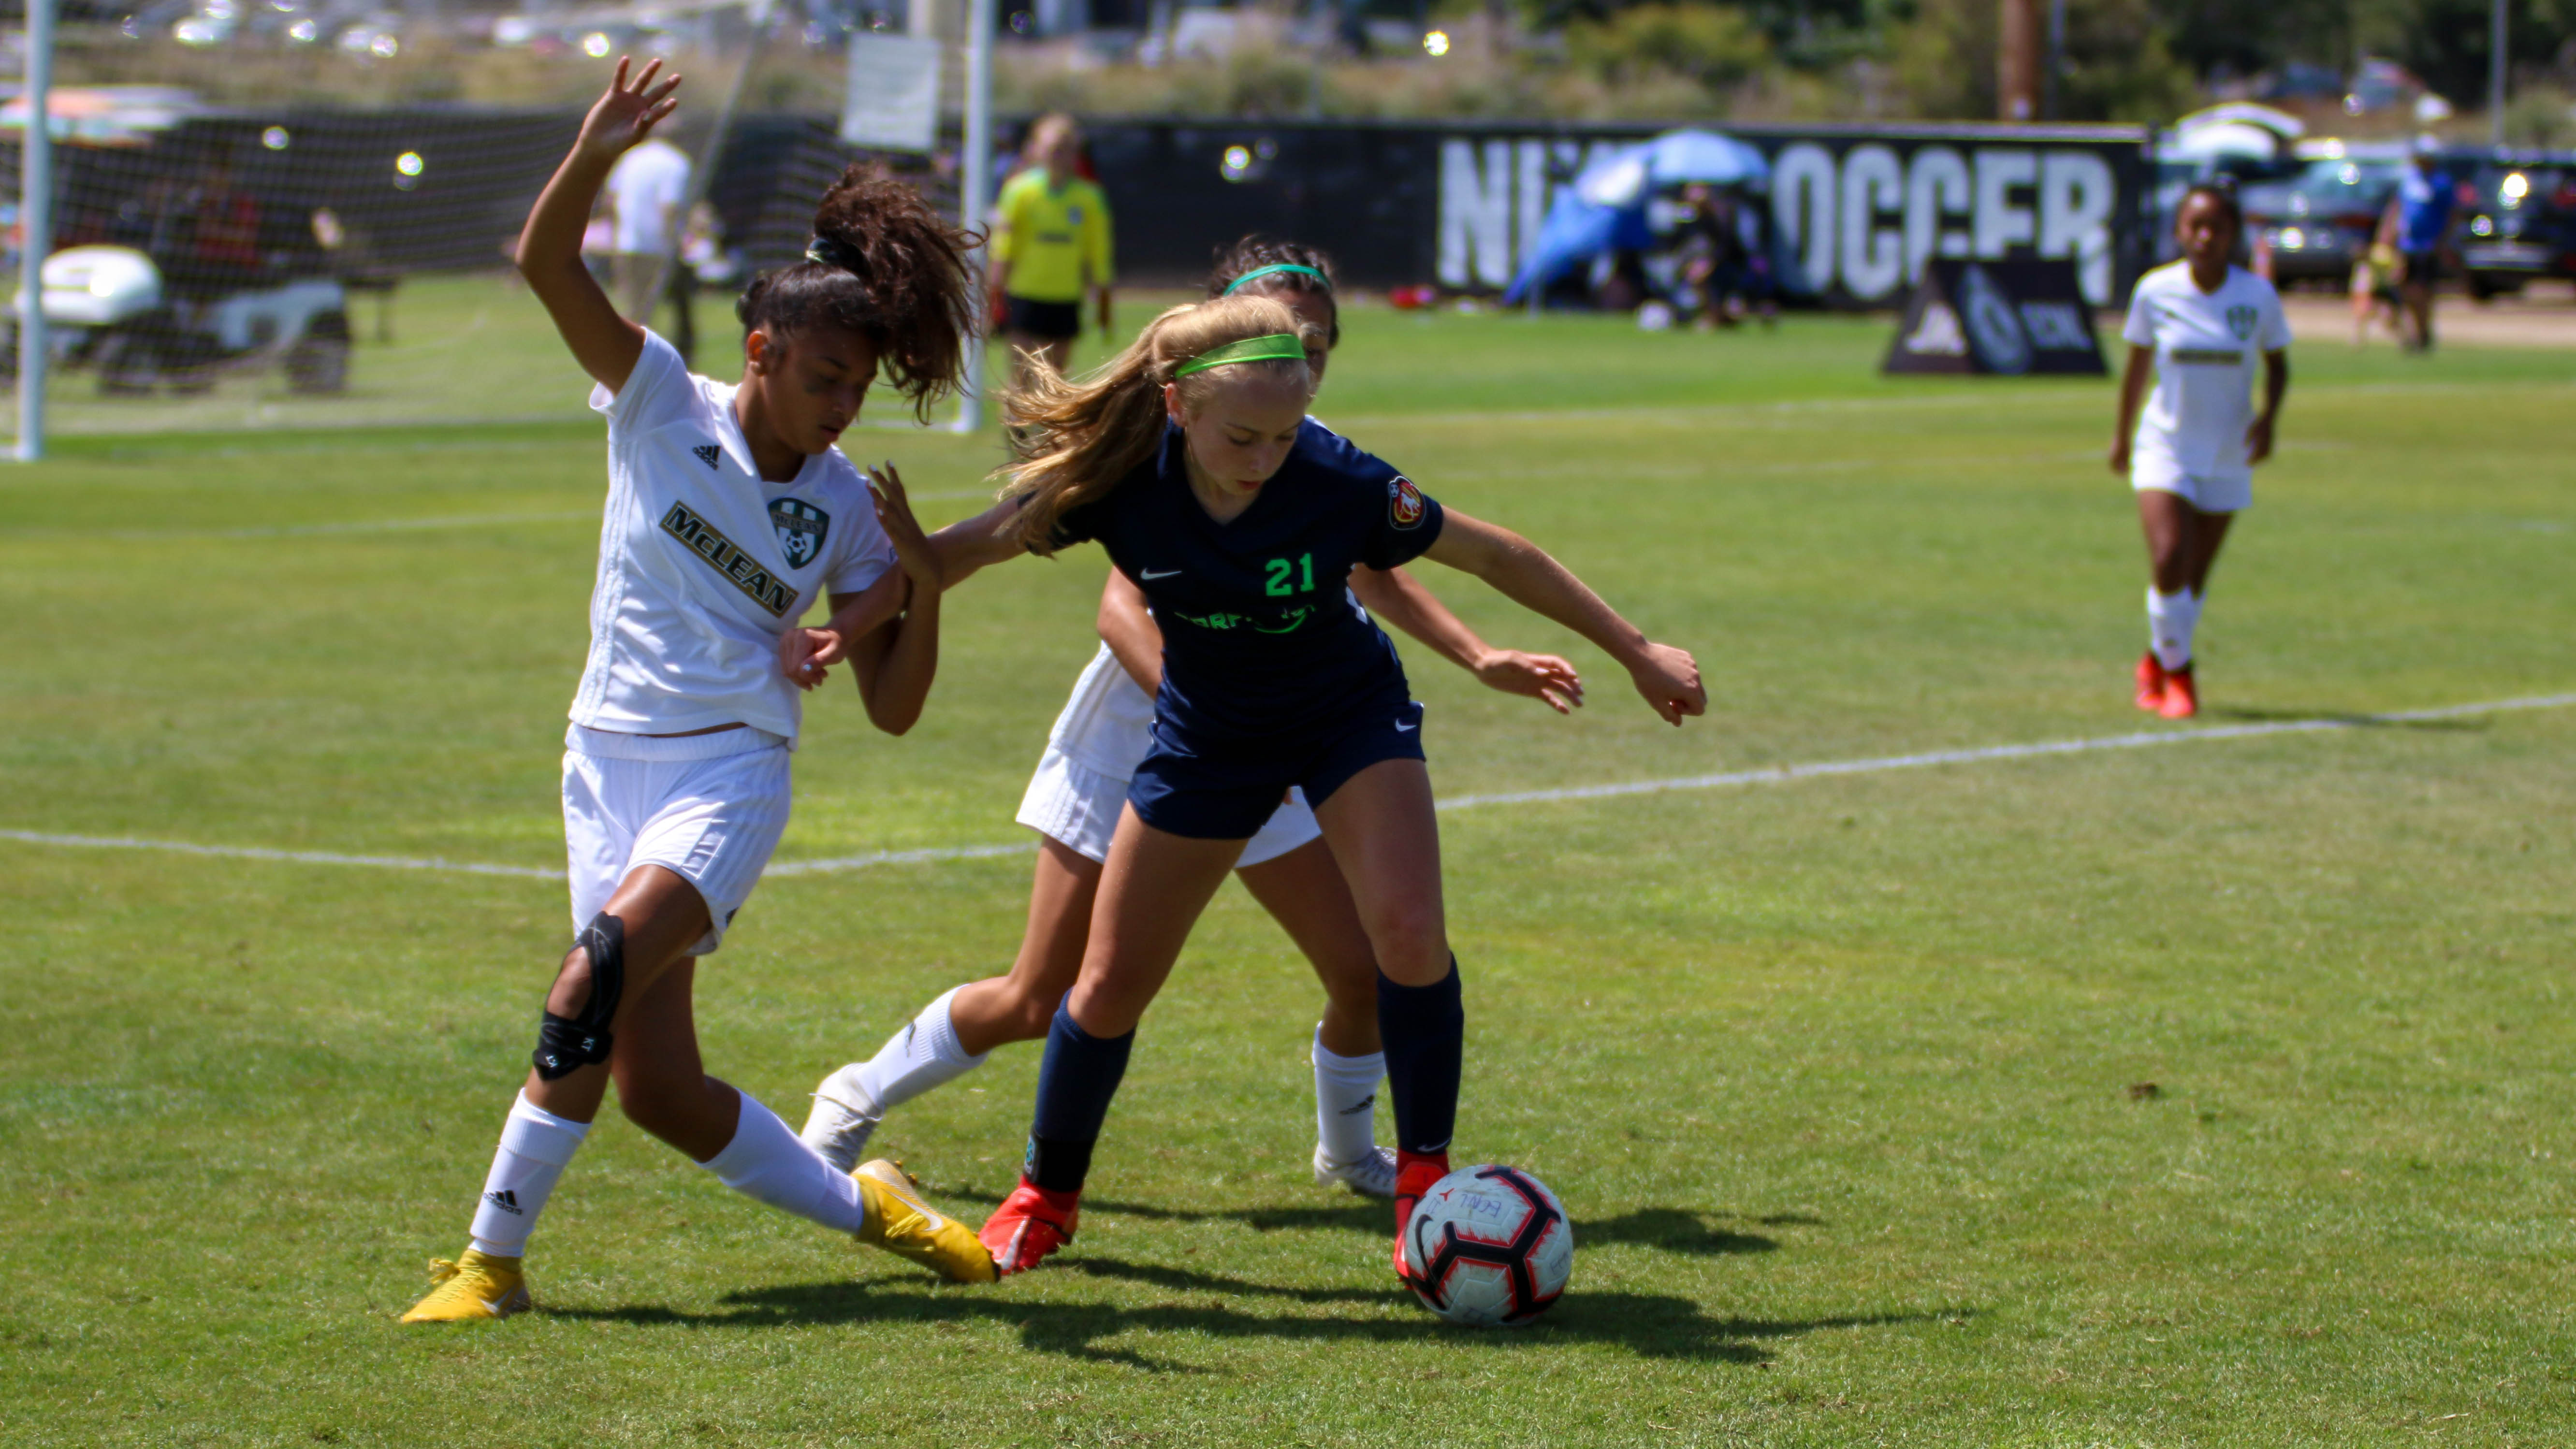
[1489, 1246]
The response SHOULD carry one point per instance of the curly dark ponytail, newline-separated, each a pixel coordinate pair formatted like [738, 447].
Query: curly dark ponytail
[885, 265]
[1256, 251]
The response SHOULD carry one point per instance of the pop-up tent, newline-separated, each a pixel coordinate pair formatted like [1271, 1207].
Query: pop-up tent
[1605, 209]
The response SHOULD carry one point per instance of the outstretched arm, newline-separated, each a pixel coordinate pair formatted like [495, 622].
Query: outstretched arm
[988, 538]
[889, 631]
[549, 253]
[1668, 678]
[1400, 599]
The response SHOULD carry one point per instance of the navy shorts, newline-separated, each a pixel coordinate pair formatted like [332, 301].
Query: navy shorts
[1227, 792]
[1050, 321]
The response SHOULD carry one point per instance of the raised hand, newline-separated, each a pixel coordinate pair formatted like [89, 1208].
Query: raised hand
[620, 120]
[1539, 676]
[1668, 678]
[894, 514]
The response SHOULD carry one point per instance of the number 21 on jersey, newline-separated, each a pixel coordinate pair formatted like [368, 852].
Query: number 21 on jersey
[1279, 571]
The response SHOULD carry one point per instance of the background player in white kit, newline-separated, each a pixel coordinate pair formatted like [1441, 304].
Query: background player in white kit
[729, 511]
[1073, 802]
[2199, 323]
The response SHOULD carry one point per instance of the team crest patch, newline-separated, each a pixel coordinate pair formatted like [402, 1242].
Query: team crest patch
[2241, 320]
[1404, 505]
[708, 453]
[801, 527]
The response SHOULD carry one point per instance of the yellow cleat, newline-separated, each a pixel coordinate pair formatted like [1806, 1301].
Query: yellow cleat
[902, 1224]
[474, 1286]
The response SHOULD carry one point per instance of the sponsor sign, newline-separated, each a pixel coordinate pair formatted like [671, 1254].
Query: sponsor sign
[1857, 214]
[2006, 319]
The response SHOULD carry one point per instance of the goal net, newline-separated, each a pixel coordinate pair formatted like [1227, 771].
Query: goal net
[264, 219]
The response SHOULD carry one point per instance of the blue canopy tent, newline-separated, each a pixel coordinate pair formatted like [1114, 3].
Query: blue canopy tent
[1605, 209]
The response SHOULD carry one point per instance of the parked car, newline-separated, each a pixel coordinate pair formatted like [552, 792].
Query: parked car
[2520, 221]
[2318, 223]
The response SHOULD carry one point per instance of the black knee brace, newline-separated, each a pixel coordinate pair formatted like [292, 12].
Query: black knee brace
[566, 1044]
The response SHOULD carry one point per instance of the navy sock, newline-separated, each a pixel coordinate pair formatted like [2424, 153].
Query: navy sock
[1424, 1031]
[1079, 1076]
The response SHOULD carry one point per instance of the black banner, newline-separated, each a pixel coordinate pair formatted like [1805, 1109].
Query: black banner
[2008, 319]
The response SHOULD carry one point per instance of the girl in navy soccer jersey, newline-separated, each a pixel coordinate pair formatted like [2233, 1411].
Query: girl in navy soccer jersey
[1191, 459]
[1080, 788]
[729, 512]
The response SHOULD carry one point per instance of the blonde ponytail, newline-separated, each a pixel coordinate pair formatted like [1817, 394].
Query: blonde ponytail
[1075, 439]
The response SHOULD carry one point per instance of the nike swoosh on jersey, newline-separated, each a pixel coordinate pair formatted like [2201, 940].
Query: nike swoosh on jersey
[1160, 574]
[1403, 728]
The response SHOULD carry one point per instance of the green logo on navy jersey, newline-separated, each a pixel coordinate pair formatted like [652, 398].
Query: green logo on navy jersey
[1278, 621]
[2241, 319]
[727, 558]
[801, 527]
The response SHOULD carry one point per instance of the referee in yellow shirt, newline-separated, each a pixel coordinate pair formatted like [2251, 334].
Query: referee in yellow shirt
[1050, 242]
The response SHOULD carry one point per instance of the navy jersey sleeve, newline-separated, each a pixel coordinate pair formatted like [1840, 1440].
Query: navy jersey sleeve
[1402, 520]
[1406, 523]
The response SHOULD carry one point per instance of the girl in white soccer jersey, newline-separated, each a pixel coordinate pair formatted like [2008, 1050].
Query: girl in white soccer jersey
[1073, 804]
[729, 512]
[2199, 323]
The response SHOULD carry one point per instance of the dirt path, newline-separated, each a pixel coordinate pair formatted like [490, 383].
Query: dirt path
[2544, 316]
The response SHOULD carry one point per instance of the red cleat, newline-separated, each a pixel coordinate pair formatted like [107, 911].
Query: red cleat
[2182, 698]
[1029, 1225]
[1415, 1172]
[2151, 683]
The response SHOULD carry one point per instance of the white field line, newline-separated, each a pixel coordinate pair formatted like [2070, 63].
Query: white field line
[364, 525]
[1779, 775]
[1782, 774]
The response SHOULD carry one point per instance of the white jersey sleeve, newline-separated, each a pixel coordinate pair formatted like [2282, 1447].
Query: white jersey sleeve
[657, 391]
[2273, 334]
[865, 553]
[2140, 329]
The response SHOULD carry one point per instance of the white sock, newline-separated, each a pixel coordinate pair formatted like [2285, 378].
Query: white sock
[535, 1145]
[2170, 618]
[1345, 1099]
[766, 1161]
[923, 1055]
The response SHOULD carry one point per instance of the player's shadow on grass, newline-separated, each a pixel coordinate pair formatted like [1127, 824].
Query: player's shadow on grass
[1678, 1230]
[2243, 714]
[1649, 1325]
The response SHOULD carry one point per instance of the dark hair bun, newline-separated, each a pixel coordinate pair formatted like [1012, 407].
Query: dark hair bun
[887, 266]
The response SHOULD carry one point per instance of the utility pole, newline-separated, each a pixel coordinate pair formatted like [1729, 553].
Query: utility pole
[36, 229]
[2495, 77]
[2048, 109]
[2017, 62]
[976, 180]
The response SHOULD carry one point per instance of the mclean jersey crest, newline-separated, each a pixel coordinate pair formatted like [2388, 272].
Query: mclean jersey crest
[801, 527]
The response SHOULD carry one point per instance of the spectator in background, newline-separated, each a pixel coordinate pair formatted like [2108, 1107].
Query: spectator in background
[2418, 221]
[646, 191]
[1051, 245]
[1728, 264]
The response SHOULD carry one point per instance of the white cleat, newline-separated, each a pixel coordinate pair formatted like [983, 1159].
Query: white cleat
[1372, 1175]
[842, 1120]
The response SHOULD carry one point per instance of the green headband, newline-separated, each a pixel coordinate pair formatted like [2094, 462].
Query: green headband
[1277, 347]
[1273, 269]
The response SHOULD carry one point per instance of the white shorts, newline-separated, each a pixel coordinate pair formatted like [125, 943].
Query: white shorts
[710, 807]
[1070, 802]
[2214, 491]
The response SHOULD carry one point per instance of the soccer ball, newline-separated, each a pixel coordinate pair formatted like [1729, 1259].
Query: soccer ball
[1489, 1246]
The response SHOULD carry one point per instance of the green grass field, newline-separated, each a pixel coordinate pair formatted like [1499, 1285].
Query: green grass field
[1842, 1077]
